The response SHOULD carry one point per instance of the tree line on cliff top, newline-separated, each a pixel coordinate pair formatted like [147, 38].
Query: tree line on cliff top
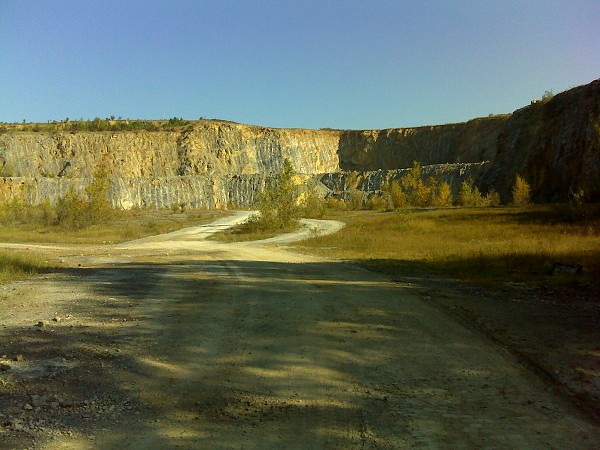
[98, 124]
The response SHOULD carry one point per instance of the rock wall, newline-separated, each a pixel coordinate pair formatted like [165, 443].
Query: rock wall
[555, 145]
[208, 148]
[468, 142]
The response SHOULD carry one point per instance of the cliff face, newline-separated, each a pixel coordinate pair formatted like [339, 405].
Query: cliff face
[555, 145]
[207, 148]
[211, 164]
[469, 142]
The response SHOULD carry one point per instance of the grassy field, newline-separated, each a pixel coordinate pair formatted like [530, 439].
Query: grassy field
[475, 244]
[126, 226]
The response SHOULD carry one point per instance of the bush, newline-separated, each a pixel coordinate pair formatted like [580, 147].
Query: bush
[277, 203]
[397, 195]
[469, 195]
[492, 198]
[355, 200]
[313, 206]
[521, 192]
[73, 211]
[412, 185]
[335, 203]
[377, 203]
[443, 196]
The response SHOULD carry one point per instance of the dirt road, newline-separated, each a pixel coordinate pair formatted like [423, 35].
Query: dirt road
[178, 342]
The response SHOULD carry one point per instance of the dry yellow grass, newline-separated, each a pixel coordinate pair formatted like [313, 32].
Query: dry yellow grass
[479, 244]
[129, 225]
[16, 266]
[126, 226]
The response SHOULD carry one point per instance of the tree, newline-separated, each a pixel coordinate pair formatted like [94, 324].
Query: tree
[73, 211]
[312, 203]
[443, 195]
[277, 203]
[397, 195]
[99, 207]
[469, 195]
[547, 96]
[521, 192]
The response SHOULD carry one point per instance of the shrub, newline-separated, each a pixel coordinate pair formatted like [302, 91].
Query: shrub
[412, 185]
[71, 211]
[335, 203]
[443, 196]
[377, 203]
[521, 192]
[313, 205]
[277, 203]
[178, 208]
[355, 199]
[548, 95]
[578, 197]
[99, 208]
[421, 196]
[492, 198]
[469, 195]
[397, 196]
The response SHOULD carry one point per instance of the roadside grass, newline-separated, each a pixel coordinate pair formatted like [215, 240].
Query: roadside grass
[125, 226]
[252, 231]
[479, 245]
[18, 266]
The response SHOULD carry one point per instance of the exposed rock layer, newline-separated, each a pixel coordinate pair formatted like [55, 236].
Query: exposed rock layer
[555, 145]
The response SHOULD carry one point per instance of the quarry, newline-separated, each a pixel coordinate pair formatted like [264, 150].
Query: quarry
[446, 326]
[554, 144]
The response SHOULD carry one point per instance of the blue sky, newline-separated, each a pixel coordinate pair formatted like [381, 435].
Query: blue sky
[291, 63]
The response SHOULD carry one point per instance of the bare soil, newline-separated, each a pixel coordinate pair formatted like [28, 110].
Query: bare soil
[176, 341]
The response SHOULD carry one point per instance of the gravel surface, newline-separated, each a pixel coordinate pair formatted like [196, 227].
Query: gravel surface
[175, 341]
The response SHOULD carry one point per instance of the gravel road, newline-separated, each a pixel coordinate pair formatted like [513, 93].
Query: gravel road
[178, 342]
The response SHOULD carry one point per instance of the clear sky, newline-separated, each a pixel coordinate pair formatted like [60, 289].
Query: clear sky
[355, 64]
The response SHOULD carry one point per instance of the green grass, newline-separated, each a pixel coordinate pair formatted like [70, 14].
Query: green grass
[18, 266]
[474, 244]
[126, 226]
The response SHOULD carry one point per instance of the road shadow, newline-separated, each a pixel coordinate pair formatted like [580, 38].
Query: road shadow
[229, 353]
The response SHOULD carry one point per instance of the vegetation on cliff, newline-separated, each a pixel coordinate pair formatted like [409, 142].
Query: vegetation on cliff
[414, 190]
[98, 124]
[88, 217]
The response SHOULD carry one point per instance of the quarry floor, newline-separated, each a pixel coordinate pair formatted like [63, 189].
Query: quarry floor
[179, 342]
